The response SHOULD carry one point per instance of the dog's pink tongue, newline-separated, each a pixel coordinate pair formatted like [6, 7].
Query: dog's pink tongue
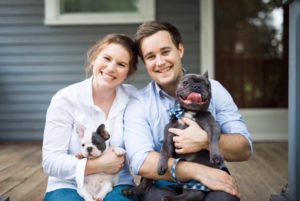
[194, 98]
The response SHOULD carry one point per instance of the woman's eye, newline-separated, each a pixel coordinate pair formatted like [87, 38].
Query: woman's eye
[122, 65]
[151, 57]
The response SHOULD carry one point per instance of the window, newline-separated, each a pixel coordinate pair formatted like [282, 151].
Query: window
[80, 12]
[251, 57]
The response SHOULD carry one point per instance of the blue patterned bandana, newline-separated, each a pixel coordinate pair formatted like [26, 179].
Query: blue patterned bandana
[176, 111]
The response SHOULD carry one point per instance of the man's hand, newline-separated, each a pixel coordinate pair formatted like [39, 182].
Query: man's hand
[218, 180]
[191, 139]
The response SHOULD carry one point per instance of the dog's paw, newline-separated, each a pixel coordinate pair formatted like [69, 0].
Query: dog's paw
[79, 155]
[119, 151]
[217, 160]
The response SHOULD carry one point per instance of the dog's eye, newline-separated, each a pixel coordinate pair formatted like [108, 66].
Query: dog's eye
[82, 145]
[184, 83]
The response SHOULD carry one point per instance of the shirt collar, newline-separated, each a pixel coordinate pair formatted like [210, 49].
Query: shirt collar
[119, 103]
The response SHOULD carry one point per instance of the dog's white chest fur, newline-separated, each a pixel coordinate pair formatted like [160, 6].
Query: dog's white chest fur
[96, 183]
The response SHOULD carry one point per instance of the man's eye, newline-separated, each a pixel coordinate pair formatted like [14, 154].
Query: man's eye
[165, 52]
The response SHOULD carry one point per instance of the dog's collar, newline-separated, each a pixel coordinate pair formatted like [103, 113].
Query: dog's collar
[176, 112]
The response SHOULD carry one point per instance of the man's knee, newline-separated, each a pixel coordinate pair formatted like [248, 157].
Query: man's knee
[220, 196]
[157, 193]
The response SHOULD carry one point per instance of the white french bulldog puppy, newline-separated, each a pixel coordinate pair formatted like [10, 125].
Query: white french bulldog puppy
[96, 186]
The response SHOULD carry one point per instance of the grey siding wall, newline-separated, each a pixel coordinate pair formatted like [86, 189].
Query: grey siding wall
[37, 60]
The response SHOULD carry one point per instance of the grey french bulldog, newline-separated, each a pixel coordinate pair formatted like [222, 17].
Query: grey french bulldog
[193, 94]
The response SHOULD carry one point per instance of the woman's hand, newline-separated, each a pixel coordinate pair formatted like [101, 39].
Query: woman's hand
[108, 163]
[191, 139]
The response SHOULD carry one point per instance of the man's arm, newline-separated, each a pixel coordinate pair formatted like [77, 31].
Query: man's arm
[213, 178]
[234, 147]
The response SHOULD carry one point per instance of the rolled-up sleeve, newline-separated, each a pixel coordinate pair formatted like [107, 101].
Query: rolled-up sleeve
[57, 161]
[227, 114]
[137, 134]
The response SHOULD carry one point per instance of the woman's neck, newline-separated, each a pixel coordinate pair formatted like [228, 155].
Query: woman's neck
[104, 98]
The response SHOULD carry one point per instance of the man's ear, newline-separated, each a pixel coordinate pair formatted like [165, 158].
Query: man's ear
[181, 49]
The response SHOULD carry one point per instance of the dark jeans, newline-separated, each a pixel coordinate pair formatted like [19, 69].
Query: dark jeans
[155, 194]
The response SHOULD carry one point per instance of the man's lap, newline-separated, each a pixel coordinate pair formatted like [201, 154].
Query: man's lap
[155, 193]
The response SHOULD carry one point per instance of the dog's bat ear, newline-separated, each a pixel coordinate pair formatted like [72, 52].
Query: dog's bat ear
[206, 74]
[80, 128]
[102, 132]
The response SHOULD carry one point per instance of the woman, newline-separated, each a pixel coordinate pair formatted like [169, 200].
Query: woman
[100, 99]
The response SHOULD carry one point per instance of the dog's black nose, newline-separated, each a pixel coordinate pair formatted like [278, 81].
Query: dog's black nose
[89, 149]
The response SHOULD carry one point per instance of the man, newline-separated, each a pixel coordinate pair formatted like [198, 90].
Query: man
[161, 49]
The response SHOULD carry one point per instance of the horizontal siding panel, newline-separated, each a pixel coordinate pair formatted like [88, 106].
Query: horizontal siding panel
[20, 10]
[37, 59]
[22, 126]
[41, 78]
[21, 2]
[44, 39]
[23, 107]
[17, 49]
[38, 69]
[31, 88]
[21, 116]
[20, 20]
[22, 135]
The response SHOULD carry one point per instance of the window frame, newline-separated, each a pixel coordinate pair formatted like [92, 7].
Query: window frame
[146, 12]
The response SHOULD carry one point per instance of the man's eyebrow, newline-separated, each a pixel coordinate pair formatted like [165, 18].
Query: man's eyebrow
[161, 49]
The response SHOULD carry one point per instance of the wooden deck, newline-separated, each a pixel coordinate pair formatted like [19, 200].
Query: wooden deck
[22, 177]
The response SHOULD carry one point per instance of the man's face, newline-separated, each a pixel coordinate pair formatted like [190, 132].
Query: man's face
[162, 59]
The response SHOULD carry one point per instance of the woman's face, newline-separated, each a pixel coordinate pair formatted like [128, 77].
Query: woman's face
[111, 66]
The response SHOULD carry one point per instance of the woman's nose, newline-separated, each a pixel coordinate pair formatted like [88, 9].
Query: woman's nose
[111, 66]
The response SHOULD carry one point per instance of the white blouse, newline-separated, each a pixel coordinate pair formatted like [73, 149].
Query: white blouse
[61, 142]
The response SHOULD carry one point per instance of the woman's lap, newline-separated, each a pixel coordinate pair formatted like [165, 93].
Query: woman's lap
[67, 194]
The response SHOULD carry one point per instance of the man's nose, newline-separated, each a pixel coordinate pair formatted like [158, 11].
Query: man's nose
[160, 60]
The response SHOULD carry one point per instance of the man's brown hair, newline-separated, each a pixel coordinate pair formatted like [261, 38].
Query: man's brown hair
[149, 28]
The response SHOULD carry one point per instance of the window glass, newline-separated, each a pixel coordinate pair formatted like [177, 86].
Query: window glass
[251, 51]
[95, 6]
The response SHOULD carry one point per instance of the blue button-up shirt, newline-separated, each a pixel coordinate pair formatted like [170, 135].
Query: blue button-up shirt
[147, 114]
